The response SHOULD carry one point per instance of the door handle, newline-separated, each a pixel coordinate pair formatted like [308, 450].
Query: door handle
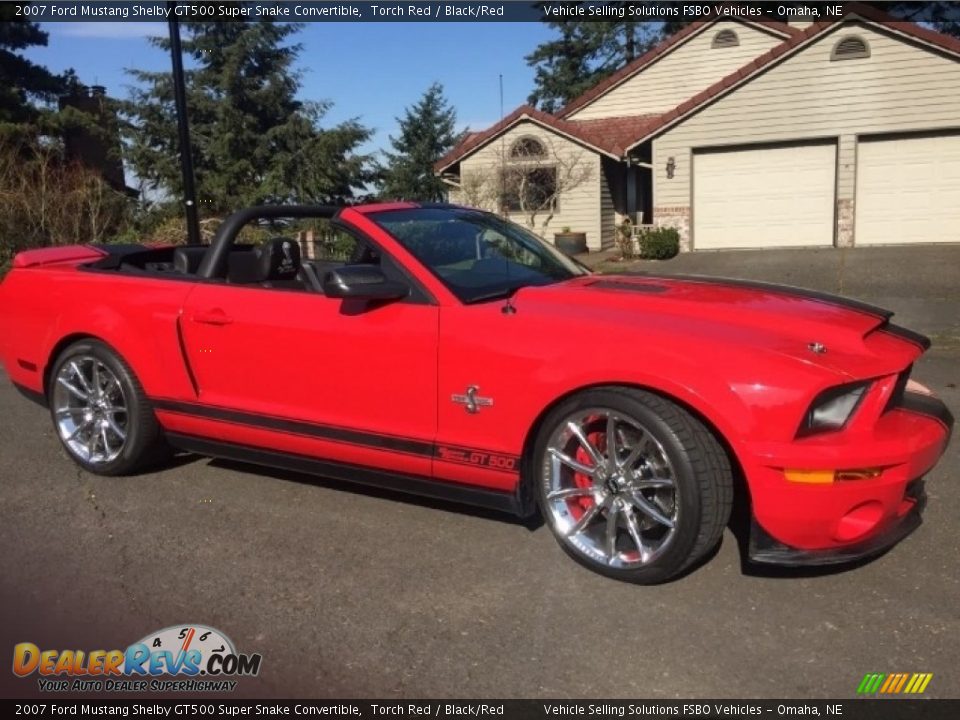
[212, 317]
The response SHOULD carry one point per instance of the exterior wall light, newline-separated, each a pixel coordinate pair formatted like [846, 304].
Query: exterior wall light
[671, 167]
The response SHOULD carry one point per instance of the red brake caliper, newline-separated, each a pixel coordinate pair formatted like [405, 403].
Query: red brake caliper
[579, 505]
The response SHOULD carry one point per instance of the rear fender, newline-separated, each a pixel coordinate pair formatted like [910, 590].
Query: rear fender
[151, 347]
[137, 317]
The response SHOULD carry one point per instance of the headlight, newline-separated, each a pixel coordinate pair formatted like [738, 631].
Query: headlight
[832, 408]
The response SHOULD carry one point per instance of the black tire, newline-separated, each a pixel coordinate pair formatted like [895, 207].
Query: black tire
[144, 444]
[702, 489]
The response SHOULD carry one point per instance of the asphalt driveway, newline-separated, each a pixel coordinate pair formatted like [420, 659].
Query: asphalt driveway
[353, 592]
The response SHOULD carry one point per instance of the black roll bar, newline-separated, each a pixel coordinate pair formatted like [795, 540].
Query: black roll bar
[214, 263]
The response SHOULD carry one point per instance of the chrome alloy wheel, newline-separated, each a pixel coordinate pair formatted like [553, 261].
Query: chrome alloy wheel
[90, 410]
[610, 489]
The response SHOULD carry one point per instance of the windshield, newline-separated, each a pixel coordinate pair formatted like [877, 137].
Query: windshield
[476, 254]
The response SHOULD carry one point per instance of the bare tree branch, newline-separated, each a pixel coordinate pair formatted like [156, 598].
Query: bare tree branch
[532, 180]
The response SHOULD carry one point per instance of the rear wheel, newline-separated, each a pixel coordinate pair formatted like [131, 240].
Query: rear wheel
[100, 412]
[632, 485]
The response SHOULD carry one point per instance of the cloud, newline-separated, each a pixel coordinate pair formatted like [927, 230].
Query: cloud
[110, 30]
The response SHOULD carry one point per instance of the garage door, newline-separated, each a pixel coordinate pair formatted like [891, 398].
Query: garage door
[766, 197]
[908, 191]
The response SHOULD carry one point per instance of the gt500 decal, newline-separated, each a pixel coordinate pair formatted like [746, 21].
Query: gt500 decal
[467, 456]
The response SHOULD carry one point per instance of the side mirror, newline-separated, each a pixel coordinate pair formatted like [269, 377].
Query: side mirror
[363, 282]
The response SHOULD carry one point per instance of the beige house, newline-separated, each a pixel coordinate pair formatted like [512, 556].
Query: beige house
[743, 134]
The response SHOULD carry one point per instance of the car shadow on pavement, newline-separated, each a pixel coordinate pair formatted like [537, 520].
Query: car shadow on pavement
[532, 523]
[739, 524]
[169, 461]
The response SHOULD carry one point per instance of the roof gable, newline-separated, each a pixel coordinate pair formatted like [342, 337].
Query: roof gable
[616, 136]
[671, 47]
[608, 136]
[814, 33]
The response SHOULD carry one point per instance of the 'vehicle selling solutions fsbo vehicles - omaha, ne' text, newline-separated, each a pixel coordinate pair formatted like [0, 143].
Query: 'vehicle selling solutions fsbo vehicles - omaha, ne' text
[450, 353]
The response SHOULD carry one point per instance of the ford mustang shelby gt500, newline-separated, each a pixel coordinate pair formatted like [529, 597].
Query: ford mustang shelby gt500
[453, 354]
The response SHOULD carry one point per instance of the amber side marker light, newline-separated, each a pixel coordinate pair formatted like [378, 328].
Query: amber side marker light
[829, 476]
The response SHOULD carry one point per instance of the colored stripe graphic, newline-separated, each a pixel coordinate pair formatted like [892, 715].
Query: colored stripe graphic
[894, 683]
[903, 679]
[918, 683]
[870, 683]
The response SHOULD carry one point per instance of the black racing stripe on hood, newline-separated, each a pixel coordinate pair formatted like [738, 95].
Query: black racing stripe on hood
[823, 297]
[628, 286]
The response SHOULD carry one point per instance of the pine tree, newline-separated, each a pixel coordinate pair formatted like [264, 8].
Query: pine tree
[22, 82]
[942, 15]
[427, 132]
[563, 66]
[252, 140]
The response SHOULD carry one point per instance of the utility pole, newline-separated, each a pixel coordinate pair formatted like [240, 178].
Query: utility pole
[180, 98]
[501, 202]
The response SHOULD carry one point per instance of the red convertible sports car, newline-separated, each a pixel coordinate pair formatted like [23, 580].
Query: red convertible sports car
[453, 354]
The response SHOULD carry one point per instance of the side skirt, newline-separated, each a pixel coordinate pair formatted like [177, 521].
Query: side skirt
[413, 484]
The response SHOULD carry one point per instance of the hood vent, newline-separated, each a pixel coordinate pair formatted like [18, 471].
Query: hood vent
[641, 287]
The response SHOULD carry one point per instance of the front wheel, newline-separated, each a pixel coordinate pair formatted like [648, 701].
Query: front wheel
[100, 412]
[632, 485]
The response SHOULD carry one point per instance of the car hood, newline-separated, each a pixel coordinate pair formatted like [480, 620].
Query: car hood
[815, 328]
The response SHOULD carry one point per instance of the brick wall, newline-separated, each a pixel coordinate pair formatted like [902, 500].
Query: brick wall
[676, 217]
[845, 222]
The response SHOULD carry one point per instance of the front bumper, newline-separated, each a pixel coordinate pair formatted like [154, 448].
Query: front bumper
[766, 550]
[797, 523]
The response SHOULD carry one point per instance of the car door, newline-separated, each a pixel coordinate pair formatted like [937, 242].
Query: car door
[298, 372]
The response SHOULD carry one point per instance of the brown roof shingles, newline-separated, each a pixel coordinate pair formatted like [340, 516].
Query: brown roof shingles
[609, 135]
[615, 133]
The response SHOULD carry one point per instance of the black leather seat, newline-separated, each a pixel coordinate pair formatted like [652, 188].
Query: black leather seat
[310, 277]
[279, 263]
[187, 259]
[275, 264]
[243, 267]
[363, 254]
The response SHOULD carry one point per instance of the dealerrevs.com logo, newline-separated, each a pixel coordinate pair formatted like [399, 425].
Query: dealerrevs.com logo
[200, 658]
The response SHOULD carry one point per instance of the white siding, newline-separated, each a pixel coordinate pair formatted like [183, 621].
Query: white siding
[579, 207]
[682, 73]
[900, 87]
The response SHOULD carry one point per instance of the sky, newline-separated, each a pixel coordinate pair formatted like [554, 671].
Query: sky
[371, 71]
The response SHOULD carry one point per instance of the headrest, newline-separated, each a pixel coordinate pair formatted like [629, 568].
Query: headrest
[187, 259]
[279, 260]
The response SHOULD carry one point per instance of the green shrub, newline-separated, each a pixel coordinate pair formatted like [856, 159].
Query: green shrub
[659, 243]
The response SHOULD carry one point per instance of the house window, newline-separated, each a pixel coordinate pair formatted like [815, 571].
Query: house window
[526, 189]
[850, 48]
[725, 39]
[527, 148]
[529, 179]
